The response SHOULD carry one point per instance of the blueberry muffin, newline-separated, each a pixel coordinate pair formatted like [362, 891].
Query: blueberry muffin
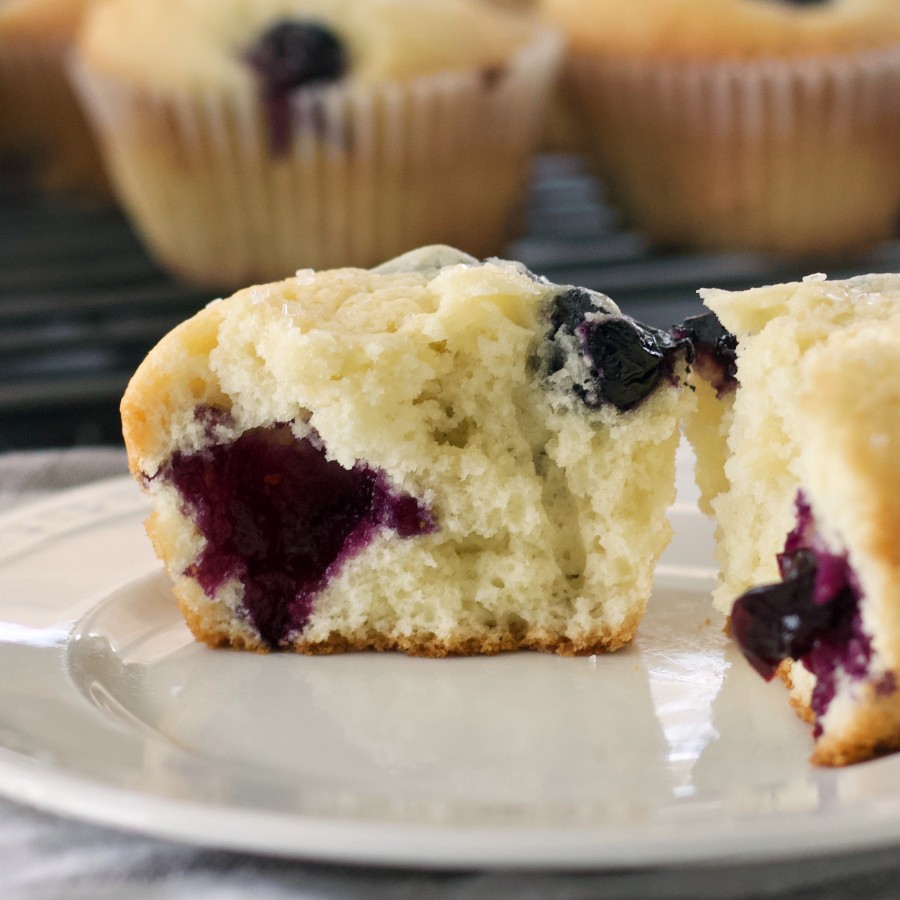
[742, 124]
[808, 380]
[42, 127]
[250, 140]
[438, 456]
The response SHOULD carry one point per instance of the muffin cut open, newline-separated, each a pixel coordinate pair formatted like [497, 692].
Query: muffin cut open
[437, 456]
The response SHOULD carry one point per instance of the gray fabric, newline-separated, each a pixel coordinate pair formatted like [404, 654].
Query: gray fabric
[27, 476]
[43, 856]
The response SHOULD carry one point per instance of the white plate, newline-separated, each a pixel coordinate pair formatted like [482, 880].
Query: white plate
[670, 751]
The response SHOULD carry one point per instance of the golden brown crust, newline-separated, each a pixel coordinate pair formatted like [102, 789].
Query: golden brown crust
[873, 729]
[388, 41]
[212, 628]
[800, 707]
[869, 728]
[179, 363]
[213, 624]
[41, 120]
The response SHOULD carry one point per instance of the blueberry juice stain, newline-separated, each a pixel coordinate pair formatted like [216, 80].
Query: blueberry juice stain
[289, 55]
[812, 615]
[282, 518]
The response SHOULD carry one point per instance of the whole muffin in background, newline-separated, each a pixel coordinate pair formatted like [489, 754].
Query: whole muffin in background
[250, 140]
[42, 127]
[742, 124]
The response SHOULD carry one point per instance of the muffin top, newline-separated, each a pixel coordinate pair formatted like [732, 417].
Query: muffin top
[726, 29]
[46, 21]
[197, 43]
[385, 334]
[815, 306]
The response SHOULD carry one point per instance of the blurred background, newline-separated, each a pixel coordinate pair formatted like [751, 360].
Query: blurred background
[82, 300]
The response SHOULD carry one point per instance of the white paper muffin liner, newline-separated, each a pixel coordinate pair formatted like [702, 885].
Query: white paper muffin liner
[41, 121]
[372, 170]
[791, 156]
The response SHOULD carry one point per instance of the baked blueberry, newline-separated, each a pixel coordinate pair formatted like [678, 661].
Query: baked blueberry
[291, 54]
[287, 56]
[777, 621]
[811, 615]
[626, 359]
[714, 349]
[572, 307]
[619, 361]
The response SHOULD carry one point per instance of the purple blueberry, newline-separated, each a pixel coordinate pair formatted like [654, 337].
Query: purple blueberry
[774, 622]
[281, 517]
[627, 360]
[291, 54]
[621, 361]
[811, 615]
[714, 348]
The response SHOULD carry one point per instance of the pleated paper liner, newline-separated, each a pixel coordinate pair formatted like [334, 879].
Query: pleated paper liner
[787, 156]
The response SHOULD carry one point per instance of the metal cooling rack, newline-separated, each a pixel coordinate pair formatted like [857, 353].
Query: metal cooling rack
[81, 303]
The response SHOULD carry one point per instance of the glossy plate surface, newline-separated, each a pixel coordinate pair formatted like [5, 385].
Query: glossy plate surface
[672, 750]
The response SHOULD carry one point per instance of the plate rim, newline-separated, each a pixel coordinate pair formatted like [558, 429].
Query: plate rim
[415, 846]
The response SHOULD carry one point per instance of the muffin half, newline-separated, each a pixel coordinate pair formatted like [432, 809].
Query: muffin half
[807, 528]
[436, 456]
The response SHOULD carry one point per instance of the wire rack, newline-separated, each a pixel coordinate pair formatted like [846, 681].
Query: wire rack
[81, 302]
